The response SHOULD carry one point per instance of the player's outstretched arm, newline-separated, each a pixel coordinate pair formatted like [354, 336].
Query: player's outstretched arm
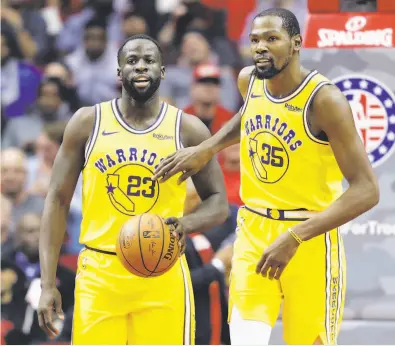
[333, 115]
[191, 160]
[209, 182]
[66, 170]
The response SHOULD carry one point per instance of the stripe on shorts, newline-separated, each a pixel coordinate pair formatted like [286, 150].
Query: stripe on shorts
[187, 312]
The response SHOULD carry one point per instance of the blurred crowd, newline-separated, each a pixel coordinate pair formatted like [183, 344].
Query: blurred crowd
[60, 55]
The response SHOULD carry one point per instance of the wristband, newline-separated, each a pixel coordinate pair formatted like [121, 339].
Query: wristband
[295, 236]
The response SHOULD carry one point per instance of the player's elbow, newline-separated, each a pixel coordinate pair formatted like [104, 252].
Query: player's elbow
[371, 193]
[375, 193]
[59, 196]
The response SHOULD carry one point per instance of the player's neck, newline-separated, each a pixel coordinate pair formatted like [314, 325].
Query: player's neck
[134, 110]
[287, 81]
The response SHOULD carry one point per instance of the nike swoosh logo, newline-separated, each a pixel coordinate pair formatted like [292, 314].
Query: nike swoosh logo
[104, 133]
[253, 96]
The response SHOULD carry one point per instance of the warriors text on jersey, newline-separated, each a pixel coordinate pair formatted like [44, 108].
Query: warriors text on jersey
[283, 165]
[117, 175]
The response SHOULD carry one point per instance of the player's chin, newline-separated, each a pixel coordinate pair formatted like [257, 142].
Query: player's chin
[141, 95]
[261, 73]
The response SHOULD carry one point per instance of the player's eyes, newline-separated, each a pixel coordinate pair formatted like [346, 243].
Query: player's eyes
[272, 38]
[254, 40]
[132, 61]
[150, 61]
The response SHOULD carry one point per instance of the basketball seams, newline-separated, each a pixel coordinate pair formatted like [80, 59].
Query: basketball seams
[133, 258]
[123, 255]
[169, 266]
[141, 250]
[163, 246]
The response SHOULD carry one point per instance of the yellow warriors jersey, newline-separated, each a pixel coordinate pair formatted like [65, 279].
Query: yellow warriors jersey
[283, 165]
[119, 164]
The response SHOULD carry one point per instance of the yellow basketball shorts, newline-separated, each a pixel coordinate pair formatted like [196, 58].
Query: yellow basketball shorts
[311, 288]
[113, 306]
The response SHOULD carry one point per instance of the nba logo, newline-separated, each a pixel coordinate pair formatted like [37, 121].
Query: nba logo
[373, 108]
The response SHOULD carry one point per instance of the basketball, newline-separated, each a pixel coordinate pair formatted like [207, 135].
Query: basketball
[146, 247]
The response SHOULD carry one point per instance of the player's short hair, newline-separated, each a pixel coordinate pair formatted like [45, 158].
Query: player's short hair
[140, 37]
[290, 22]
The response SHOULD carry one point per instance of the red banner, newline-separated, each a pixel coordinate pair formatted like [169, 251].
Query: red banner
[350, 30]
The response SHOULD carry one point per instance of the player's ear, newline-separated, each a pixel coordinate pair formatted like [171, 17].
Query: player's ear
[119, 73]
[297, 42]
[162, 72]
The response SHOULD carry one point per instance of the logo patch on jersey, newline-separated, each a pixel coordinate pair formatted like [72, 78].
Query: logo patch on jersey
[130, 182]
[373, 108]
[270, 161]
[162, 137]
[128, 174]
[268, 141]
[293, 108]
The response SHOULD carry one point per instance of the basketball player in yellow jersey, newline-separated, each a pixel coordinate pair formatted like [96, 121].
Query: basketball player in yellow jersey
[117, 145]
[297, 140]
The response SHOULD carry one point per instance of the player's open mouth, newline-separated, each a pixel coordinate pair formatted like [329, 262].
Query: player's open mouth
[262, 62]
[141, 82]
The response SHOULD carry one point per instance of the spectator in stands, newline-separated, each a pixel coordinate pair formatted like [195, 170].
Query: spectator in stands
[13, 183]
[229, 160]
[13, 304]
[94, 65]
[23, 131]
[29, 28]
[61, 71]
[19, 79]
[194, 15]
[51, 105]
[25, 253]
[40, 168]
[205, 96]
[70, 38]
[26, 258]
[358, 5]
[40, 165]
[195, 50]
[5, 222]
[133, 24]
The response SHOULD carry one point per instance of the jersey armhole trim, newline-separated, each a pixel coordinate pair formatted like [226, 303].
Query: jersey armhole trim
[178, 130]
[250, 85]
[95, 133]
[305, 111]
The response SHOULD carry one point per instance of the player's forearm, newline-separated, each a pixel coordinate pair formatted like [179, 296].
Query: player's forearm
[358, 199]
[53, 228]
[228, 135]
[211, 212]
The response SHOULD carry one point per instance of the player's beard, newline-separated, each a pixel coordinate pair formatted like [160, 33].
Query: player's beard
[271, 71]
[142, 95]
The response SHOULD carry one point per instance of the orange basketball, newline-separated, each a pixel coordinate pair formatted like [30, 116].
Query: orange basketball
[146, 246]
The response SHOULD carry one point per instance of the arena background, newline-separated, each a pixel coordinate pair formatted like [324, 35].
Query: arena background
[351, 42]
